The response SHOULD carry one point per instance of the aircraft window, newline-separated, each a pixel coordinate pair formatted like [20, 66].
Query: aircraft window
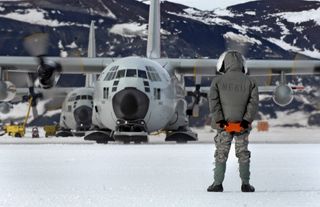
[131, 73]
[114, 68]
[152, 77]
[107, 76]
[145, 83]
[72, 98]
[157, 77]
[147, 89]
[78, 98]
[84, 97]
[105, 93]
[90, 97]
[149, 68]
[115, 83]
[142, 74]
[149, 76]
[114, 89]
[157, 93]
[113, 75]
[153, 74]
[121, 73]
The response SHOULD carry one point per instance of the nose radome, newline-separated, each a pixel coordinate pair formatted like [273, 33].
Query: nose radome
[130, 104]
[83, 116]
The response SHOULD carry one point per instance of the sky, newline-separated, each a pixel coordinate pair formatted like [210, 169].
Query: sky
[209, 4]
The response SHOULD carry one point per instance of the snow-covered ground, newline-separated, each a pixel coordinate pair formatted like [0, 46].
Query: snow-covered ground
[157, 174]
[205, 135]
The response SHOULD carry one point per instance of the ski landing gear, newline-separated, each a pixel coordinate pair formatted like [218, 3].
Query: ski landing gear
[101, 137]
[181, 136]
[127, 137]
[64, 133]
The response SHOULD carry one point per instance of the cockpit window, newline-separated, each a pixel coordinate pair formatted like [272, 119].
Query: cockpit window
[84, 97]
[121, 73]
[131, 73]
[90, 97]
[72, 98]
[153, 74]
[142, 74]
[78, 98]
[112, 73]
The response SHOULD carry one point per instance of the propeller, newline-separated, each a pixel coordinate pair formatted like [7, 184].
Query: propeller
[37, 44]
[194, 107]
[32, 94]
[47, 73]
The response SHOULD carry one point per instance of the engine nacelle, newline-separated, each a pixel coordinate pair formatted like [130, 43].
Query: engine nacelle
[283, 95]
[4, 108]
[7, 91]
[48, 74]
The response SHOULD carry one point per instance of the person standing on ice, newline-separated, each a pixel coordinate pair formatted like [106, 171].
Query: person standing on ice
[233, 101]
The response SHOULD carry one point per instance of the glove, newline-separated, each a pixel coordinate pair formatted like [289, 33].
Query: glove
[245, 124]
[222, 123]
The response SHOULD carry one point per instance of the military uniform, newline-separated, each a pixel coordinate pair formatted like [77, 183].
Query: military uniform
[233, 98]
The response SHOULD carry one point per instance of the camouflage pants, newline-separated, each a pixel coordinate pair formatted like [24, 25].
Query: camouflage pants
[223, 142]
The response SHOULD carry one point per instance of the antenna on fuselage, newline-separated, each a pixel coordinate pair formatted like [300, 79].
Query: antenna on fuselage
[91, 78]
[153, 46]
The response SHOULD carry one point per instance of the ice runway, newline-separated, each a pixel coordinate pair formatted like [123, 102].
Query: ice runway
[154, 175]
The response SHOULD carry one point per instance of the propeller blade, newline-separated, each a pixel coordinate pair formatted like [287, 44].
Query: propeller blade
[190, 93]
[35, 97]
[198, 80]
[195, 110]
[37, 44]
[204, 95]
[35, 112]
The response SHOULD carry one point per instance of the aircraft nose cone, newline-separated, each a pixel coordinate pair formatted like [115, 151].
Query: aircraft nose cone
[130, 104]
[83, 117]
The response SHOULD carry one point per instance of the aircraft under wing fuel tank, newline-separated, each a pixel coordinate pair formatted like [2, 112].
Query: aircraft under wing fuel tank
[135, 96]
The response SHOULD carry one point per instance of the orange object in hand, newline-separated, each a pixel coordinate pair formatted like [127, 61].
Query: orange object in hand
[233, 127]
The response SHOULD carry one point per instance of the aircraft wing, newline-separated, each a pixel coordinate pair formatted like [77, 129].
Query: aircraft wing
[201, 67]
[69, 64]
[207, 67]
[53, 92]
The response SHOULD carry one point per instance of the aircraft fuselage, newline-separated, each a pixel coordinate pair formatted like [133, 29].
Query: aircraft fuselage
[134, 90]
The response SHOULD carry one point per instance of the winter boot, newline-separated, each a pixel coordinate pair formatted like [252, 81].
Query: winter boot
[215, 188]
[247, 188]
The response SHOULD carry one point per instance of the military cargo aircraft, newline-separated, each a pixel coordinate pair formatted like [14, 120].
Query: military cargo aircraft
[135, 96]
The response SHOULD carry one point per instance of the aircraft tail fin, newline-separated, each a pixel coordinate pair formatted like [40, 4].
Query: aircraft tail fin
[91, 78]
[92, 42]
[153, 47]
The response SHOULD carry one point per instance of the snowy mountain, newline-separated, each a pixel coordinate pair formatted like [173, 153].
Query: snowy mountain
[268, 29]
